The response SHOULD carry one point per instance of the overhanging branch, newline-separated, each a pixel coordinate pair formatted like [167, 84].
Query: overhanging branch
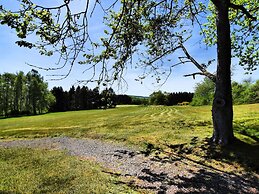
[243, 9]
[201, 67]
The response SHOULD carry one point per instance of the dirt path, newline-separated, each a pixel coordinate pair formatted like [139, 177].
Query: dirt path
[174, 175]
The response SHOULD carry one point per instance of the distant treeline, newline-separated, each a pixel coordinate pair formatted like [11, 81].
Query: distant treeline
[82, 98]
[22, 94]
[135, 100]
[156, 98]
[169, 99]
[28, 94]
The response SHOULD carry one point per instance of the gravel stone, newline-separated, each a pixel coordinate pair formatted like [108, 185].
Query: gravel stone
[160, 176]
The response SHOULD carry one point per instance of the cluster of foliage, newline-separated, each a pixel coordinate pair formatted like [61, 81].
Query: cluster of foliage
[136, 100]
[123, 99]
[140, 100]
[169, 99]
[24, 94]
[204, 93]
[246, 92]
[82, 98]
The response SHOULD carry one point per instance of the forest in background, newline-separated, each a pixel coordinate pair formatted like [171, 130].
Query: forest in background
[24, 94]
[28, 94]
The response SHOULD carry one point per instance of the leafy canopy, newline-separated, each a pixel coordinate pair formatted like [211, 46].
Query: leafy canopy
[244, 16]
[146, 31]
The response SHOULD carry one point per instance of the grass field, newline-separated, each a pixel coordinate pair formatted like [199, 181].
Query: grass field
[183, 130]
[133, 124]
[40, 171]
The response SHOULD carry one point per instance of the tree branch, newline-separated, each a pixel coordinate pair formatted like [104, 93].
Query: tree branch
[194, 74]
[243, 9]
[201, 67]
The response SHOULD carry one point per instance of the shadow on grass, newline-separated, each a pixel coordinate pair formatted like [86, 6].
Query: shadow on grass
[239, 152]
[251, 130]
[26, 114]
[55, 184]
[202, 181]
[199, 175]
[244, 154]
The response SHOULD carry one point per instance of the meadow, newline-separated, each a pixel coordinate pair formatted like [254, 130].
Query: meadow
[156, 130]
[135, 125]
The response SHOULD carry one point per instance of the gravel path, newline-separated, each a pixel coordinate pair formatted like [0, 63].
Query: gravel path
[177, 175]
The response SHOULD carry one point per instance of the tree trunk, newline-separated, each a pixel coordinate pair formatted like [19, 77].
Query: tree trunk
[222, 109]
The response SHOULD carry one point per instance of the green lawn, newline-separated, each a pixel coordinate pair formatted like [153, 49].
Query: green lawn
[133, 124]
[181, 130]
[40, 171]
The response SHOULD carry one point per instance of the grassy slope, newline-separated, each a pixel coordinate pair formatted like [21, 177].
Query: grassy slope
[180, 130]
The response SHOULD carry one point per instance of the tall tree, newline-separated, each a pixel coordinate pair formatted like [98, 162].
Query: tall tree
[19, 92]
[46, 98]
[38, 96]
[8, 81]
[78, 104]
[72, 98]
[84, 101]
[123, 99]
[158, 98]
[1, 96]
[95, 98]
[34, 91]
[154, 30]
[60, 103]
[108, 98]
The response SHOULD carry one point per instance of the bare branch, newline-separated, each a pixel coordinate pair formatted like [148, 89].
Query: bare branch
[194, 74]
[201, 67]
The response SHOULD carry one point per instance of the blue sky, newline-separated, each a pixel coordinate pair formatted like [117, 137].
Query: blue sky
[14, 59]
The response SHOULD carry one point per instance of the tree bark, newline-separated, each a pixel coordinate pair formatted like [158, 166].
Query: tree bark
[222, 108]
